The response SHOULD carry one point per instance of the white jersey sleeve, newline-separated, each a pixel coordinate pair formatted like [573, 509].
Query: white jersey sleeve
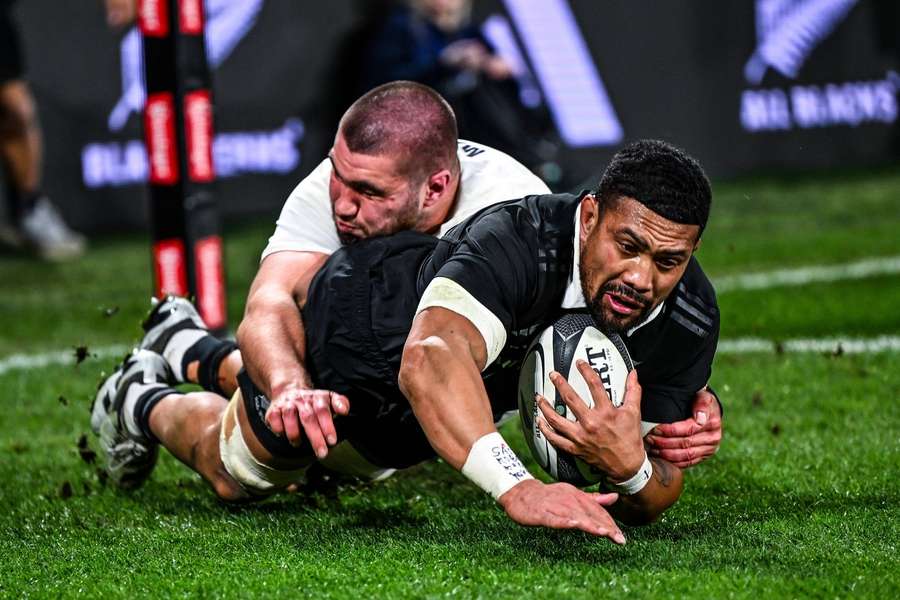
[305, 223]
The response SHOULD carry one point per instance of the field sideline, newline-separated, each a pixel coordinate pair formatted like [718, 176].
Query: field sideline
[801, 501]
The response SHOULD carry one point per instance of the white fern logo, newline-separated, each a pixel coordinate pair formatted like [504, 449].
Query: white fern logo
[789, 30]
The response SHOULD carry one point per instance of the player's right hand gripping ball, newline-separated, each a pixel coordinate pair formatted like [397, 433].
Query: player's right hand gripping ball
[571, 337]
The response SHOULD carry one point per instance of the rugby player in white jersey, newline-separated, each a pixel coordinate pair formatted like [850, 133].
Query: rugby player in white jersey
[395, 165]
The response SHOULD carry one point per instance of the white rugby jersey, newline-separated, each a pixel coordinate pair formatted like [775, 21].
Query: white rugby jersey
[487, 176]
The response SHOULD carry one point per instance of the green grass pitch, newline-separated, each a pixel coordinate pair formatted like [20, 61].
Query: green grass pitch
[803, 499]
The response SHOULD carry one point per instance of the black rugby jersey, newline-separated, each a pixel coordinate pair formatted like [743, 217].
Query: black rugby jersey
[516, 260]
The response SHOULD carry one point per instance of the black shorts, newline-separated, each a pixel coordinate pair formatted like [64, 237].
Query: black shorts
[358, 314]
[11, 63]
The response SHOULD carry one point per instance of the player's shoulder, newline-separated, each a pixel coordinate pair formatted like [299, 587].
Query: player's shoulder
[305, 223]
[696, 283]
[476, 158]
[315, 182]
[488, 177]
[527, 216]
[485, 168]
[693, 304]
[475, 153]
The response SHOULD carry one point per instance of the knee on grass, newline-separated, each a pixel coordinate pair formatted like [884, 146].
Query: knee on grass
[228, 490]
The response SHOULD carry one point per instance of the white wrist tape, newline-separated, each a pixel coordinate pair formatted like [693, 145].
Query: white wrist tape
[493, 466]
[637, 482]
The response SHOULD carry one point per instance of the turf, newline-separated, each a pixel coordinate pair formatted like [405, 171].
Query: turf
[801, 501]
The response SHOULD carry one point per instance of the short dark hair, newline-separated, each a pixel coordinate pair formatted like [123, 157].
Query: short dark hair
[661, 177]
[405, 119]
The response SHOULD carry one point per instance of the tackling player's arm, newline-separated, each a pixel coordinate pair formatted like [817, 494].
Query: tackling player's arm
[610, 439]
[440, 374]
[690, 441]
[273, 347]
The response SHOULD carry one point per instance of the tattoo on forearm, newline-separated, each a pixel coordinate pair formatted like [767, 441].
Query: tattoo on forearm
[662, 471]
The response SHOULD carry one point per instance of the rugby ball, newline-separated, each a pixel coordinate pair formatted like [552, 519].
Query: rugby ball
[557, 348]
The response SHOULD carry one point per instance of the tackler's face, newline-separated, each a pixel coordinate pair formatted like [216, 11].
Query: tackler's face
[370, 195]
[631, 260]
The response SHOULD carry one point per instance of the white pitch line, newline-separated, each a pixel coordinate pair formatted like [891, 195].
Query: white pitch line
[874, 345]
[57, 357]
[869, 267]
[883, 343]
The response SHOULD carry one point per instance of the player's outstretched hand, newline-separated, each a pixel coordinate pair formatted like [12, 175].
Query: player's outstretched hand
[686, 443]
[561, 506]
[604, 436]
[295, 411]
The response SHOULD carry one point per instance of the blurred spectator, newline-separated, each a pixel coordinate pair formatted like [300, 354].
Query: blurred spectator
[36, 222]
[120, 13]
[434, 42]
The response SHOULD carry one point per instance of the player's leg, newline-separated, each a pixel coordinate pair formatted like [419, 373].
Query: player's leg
[37, 221]
[117, 417]
[351, 354]
[136, 411]
[20, 139]
[189, 426]
[175, 330]
[225, 371]
[249, 453]
[217, 439]
[194, 428]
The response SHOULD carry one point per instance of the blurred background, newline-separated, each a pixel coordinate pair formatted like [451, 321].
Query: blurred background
[792, 107]
[749, 86]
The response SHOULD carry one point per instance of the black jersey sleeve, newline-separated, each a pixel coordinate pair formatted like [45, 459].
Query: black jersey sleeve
[494, 260]
[672, 398]
[504, 267]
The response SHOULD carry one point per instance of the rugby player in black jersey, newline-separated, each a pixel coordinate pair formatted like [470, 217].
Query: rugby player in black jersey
[625, 252]
[478, 296]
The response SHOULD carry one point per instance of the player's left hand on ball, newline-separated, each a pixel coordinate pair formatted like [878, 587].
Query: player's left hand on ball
[296, 411]
[603, 435]
[686, 443]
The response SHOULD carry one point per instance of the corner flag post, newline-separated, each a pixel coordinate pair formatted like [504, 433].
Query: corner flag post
[178, 131]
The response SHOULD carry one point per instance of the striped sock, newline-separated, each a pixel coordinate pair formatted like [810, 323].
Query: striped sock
[209, 351]
[140, 398]
[179, 349]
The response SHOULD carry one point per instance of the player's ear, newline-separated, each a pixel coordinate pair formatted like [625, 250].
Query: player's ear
[590, 216]
[436, 187]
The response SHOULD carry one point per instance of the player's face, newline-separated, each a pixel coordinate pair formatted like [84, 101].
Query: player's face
[369, 196]
[631, 259]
